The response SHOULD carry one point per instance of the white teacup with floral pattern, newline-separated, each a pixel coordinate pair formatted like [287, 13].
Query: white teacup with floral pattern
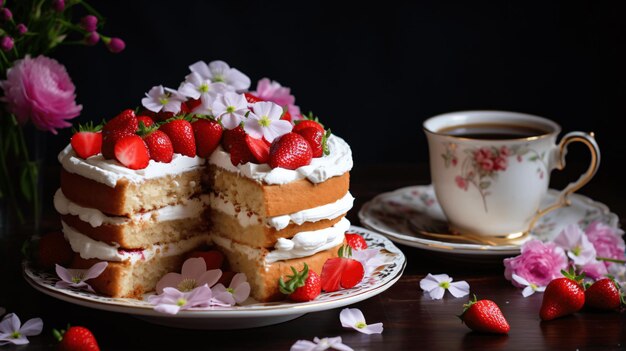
[490, 184]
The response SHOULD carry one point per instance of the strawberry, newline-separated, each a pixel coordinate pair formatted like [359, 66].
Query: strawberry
[109, 140]
[208, 134]
[87, 140]
[317, 139]
[54, 249]
[132, 152]
[302, 286]
[259, 148]
[191, 104]
[307, 123]
[76, 339]
[240, 152]
[341, 272]
[163, 116]
[232, 136]
[604, 294]
[562, 296]
[124, 122]
[213, 258]
[252, 98]
[181, 135]
[356, 241]
[286, 116]
[159, 145]
[484, 316]
[146, 120]
[290, 151]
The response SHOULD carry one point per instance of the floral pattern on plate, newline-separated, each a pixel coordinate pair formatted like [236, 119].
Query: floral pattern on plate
[395, 214]
[381, 279]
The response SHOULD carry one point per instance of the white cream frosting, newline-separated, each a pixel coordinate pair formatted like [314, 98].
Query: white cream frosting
[247, 218]
[188, 209]
[303, 244]
[338, 162]
[110, 171]
[89, 248]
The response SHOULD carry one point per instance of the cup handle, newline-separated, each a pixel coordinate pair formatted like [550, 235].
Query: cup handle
[563, 197]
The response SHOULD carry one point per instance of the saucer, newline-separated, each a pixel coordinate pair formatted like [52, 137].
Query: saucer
[404, 215]
[248, 315]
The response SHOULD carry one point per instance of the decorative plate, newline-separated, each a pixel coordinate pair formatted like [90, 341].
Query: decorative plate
[402, 214]
[251, 313]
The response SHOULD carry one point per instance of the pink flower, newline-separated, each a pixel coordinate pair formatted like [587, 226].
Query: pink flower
[58, 5]
[538, 263]
[92, 38]
[237, 292]
[6, 14]
[607, 241]
[487, 165]
[193, 275]
[272, 91]
[6, 43]
[115, 45]
[76, 278]
[595, 269]
[482, 154]
[505, 151]
[89, 23]
[13, 332]
[354, 318]
[461, 182]
[171, 300]
[21, 29]
[500, 163]
[40, 89]
[578, 247]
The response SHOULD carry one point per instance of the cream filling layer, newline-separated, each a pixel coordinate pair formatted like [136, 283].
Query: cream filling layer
[338, 162]
[247, 218]
[188, 209]
[89, 248]
[303, 244]
[110, 171]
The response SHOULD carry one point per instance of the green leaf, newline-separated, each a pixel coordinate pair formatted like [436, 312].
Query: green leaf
[485, 184]
[25, 184]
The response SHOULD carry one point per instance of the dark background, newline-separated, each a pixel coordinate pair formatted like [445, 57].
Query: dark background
[373, 73]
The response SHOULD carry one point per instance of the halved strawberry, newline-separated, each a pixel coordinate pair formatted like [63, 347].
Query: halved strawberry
[124, 122]
[213, 258]
[132, 152]
[146, 120]
[181, 135]
[252, 98]
[356, 241]
[341, 272]
[259, 148]
[290, 151]
[109, 140]
[232, 136]
[208, 134]
[87, 140]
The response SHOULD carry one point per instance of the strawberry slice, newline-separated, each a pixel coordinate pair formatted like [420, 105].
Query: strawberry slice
[87, 140]
[108, 143]
[353, 273]
[132, 152]
[341, 272]
[331, 274]
[259, 148]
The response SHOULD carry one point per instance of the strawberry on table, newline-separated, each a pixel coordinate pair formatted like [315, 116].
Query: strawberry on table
[208, 134]
[341, 272]
[76, 339]
[484, 316]
[158, 143]
[301, 286]
[54, 249]
[87, 140]
[180, 132]
[604, 294]
[290, 151]
[563, 296]
[356, 241]
[132, 152]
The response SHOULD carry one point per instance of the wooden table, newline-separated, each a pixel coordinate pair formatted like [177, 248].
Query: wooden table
[411, 319]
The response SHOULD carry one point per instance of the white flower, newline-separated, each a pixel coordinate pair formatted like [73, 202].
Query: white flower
[436, 285]
[238, 290]
[231, 109]
[166, 99]
[196, 87]
[320, 345]
[371, 259]
[13, 332]
[353, 318]
[173, 300]
[578, 247]
[530, 288]
[265, 121]
[220, 72]
[76, 278]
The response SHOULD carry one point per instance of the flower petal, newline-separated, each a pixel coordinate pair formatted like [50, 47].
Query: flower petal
[349, 317]
[375, 328]
[238, 279]
[429, 283]
[95, 270]
[9, 324]
[201, 68]
[528, 291]
[169, 280]
[193, 268]
[167, 308]
[336, 343]
[230, 120]
[303, 345]
[459, 289]
[520, 280]
[63, 273]
[32, 327]
[437, 293]
[242, 292]
[209, 277]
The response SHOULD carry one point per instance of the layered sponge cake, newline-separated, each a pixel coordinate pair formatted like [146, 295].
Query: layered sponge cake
[266, 190]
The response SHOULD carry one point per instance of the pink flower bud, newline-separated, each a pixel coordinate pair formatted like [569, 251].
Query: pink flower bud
[6, 14]
[92, 38]
[89, 23]
[21, 29]
[116, 45]
[58, 5]
[6, 43]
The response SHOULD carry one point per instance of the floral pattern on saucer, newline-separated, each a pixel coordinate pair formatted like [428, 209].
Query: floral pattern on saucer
[396, 213]
[381, 279]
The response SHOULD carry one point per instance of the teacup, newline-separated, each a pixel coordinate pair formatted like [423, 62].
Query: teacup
[490, 169]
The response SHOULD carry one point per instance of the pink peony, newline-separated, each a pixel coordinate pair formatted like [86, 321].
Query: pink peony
[607, 241]
[40, 89]
[595, 269]
[538, 263]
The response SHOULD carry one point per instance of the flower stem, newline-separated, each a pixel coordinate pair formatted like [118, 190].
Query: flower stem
[8, 188]
[607, 259]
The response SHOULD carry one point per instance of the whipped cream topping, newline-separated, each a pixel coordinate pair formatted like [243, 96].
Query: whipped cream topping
[188, 209]
[110, 171]
[338, 162]
[89, 248]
